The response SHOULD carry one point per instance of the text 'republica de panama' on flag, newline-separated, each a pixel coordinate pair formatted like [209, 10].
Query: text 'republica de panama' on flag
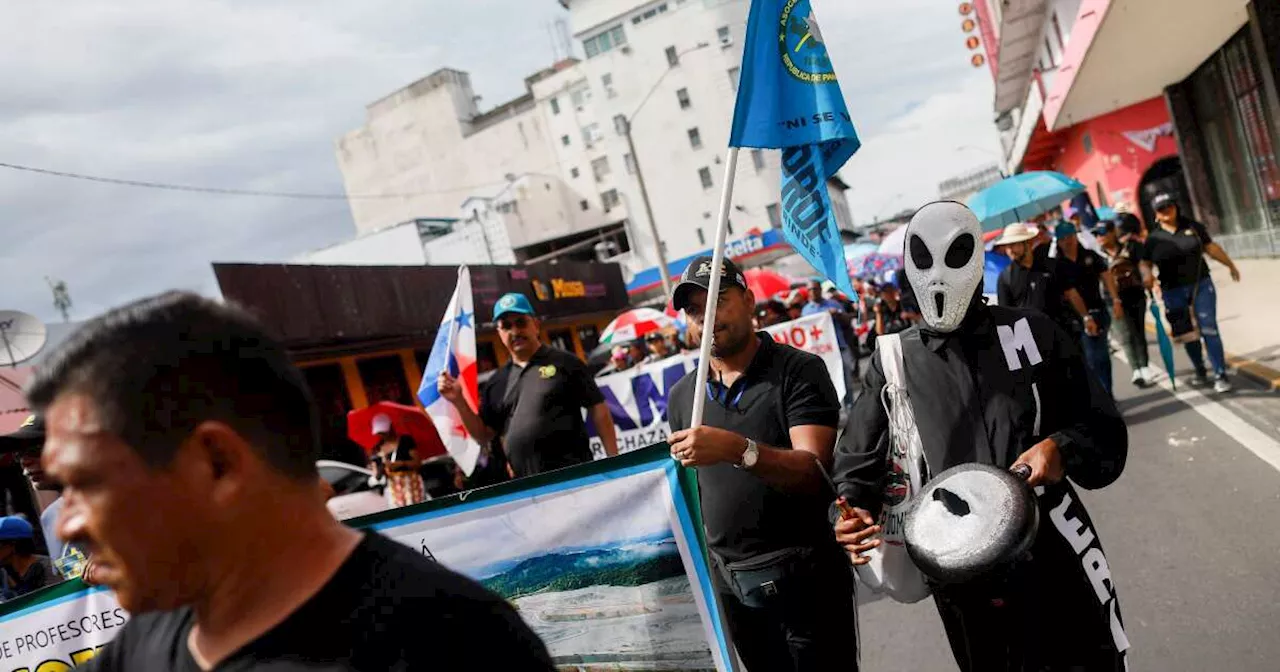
[788, 98]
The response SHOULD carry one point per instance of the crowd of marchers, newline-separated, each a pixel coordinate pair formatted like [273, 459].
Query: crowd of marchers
[189, 514]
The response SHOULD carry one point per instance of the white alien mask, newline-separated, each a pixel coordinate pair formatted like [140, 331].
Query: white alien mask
[944, 262]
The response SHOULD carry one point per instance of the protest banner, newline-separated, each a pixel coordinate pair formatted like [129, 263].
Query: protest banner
[638, 397]
[604, 561]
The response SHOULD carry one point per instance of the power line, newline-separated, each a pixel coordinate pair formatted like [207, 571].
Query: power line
[237, 192]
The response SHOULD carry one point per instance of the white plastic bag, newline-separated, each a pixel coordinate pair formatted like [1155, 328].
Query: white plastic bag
[891, 570]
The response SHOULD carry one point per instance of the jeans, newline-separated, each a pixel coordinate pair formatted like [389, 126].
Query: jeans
[1203, 300]
[1097, 349]
[1134, 327]
[812, 629]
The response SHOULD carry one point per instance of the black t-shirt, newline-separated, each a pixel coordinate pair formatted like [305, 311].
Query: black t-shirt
[782, 388]
[386, 608]
[1083, 275]
[538, 411]
[1178, 256]
[1035, 288]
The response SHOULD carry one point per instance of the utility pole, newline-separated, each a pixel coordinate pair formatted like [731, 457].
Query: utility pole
[663, 271]
[61, 297]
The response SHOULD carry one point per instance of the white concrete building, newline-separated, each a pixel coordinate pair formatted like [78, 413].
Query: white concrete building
[560, 152]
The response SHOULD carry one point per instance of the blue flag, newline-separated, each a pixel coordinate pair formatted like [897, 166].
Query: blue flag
[788, 98]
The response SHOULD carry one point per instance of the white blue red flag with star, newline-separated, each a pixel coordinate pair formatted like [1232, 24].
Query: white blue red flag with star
[454, 351]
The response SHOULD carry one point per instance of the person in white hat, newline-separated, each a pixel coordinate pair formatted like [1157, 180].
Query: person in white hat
[1024, 284]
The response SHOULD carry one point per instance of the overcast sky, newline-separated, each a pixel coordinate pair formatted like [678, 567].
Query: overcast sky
[252, 95]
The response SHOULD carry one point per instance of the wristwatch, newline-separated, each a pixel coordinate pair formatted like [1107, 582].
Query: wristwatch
[749, 455]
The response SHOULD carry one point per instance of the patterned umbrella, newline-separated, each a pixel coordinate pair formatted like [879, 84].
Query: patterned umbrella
[635, 324]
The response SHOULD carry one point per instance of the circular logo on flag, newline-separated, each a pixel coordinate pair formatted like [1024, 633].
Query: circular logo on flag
[804, 53]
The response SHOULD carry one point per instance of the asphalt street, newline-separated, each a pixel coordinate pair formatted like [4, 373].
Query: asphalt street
[1191, 530]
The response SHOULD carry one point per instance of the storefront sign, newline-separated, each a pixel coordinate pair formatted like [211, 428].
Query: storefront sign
[603, 560]
[637, 397]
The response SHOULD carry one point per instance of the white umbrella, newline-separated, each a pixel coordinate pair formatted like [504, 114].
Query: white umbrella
[895, 243]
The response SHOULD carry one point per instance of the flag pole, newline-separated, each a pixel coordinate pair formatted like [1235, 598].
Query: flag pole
[713, 289]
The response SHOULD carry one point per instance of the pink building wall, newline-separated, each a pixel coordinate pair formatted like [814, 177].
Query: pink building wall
[1117, 161]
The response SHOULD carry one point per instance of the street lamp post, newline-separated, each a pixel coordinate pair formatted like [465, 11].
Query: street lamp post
[663, 271]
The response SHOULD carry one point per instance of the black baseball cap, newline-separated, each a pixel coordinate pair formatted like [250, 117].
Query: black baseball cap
[697, 275]
[1161, 201]
[1103, 227]
[30, 435]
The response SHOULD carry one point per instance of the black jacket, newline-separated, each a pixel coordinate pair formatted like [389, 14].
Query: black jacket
[1006, 380]
[971, 407]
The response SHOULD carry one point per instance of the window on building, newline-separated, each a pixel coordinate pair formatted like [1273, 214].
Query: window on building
[1049, 61]
[564, 140]
[757, 159]
[591, 135]
[555, 106]
[620, 124]
[673, 59]
[573, 172]
[584, 204]
[609, 199]
[1057, 30]
[606, 41]
[728, 225]
[1086, 141]
[704, 174]
[722, 34]
[600, 168]
[607, 81]
[683, 97]
[774, 214]
[630, 162]
[733, 77]
[581, 96]
[702, 237]
[1102, 195]
[695, 138]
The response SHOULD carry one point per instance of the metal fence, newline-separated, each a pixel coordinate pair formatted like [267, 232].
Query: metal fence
[1261, 243]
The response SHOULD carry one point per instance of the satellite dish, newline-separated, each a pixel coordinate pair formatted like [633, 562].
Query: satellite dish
[21, 337]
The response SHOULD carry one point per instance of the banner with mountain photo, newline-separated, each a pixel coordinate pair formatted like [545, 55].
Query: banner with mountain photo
[604, 561]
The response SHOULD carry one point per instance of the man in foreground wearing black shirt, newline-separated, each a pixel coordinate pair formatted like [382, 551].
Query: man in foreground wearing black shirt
[186, 444]
[769, 429]
[534, 402]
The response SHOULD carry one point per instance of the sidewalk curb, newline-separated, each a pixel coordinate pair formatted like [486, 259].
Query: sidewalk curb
[1259, 373]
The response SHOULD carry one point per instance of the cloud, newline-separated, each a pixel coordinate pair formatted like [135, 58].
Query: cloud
[901, 165]
[254, 94]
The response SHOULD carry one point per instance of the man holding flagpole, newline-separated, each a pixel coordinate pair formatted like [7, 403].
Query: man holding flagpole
[788, 98]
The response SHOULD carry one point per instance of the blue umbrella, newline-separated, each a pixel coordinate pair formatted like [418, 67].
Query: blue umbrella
[1021, 197]
[1166, 346]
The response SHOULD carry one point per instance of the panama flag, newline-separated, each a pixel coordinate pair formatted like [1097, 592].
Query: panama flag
[454, 351]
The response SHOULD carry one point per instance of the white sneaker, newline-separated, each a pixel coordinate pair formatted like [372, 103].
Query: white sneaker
[1138, 378]
[1222, 385]
[1150, 372]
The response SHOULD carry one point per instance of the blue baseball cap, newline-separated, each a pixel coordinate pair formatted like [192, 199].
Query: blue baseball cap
[514, 302]
[13, 527]
[1064, 229]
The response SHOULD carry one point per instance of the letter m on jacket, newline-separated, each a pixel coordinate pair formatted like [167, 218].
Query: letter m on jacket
[1015, 339]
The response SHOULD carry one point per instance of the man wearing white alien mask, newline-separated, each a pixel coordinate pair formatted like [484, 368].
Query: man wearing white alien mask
[1000, 386]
